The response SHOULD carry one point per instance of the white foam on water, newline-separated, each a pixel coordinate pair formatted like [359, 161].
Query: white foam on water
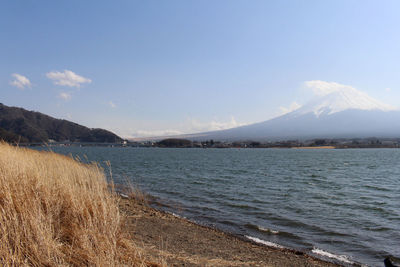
[342, 258]
[267, 243]
[267, 230]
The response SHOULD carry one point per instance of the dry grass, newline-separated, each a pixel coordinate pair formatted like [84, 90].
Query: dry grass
[133, 192]
[55, 211]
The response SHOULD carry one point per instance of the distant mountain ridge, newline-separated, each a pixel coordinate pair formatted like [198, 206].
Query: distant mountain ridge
[343, 113]
[18, 124]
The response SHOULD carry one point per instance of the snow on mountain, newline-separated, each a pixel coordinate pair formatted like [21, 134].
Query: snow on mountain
[338, 111]
[340, 99]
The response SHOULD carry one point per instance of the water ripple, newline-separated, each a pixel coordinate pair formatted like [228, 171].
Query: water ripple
[337, 203]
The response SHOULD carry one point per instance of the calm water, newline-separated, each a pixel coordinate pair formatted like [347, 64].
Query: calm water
[339, 203]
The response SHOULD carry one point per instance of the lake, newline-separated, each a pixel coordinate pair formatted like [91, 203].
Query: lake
[341, 204]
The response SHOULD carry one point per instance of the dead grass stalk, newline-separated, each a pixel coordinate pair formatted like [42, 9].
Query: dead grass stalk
[55, 211]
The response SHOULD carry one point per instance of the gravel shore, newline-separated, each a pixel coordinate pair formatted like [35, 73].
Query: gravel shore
[176, 241]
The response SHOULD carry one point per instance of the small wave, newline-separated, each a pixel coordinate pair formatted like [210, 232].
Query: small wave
[267, 243]
[242, 206]
[264, 229]
[342, 258]
[261, 229]
[377, 228]
[226, 222]
[271, 231]
[378, 188]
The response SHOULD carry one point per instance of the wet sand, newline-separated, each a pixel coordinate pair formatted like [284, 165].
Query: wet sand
[175, 241]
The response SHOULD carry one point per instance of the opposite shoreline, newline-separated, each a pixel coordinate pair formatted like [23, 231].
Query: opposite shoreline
[176, 241]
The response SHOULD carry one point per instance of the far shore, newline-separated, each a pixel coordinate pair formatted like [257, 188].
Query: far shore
[314, 147]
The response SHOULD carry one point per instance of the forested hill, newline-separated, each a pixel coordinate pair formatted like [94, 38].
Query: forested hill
[18, 124]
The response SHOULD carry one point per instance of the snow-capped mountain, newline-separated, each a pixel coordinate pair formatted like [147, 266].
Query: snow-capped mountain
[342, 113]
[340, 100]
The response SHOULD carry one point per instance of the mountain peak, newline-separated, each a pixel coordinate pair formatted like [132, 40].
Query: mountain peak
[337, 111]
[340, 99]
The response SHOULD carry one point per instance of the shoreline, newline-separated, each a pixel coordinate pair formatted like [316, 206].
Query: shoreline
[177, 241]
[313, 147]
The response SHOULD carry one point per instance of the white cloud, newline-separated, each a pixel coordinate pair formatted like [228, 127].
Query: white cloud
[112, 105]
[388, 89]
[292, 107]
[190, 126]
[67, 78]
[155, 133]
[65, 96]
[20, 81]
[214, 125]
[321, 88]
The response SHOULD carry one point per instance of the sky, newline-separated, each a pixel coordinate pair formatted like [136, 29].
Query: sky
[151, 68]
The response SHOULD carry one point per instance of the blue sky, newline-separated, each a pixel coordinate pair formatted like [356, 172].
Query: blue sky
[156, 67]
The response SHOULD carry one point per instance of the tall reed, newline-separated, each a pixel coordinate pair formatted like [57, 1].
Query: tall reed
[55, 211]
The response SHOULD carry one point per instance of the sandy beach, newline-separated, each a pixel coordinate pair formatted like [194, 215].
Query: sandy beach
[176, 241]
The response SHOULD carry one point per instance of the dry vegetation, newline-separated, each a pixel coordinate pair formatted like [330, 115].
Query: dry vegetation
[55, 211]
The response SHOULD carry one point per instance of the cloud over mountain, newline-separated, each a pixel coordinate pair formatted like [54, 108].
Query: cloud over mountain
[292, 107]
